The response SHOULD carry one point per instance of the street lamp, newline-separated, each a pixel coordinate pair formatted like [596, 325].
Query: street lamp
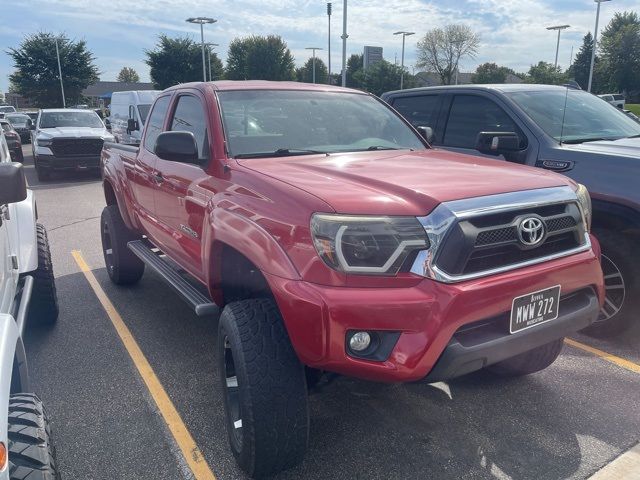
[595, 44]
[344, 44]
[210, 53]
[64, 102]
[201, 21]
[404, 36]
[314, 60]
[329, 10]
[559, 28]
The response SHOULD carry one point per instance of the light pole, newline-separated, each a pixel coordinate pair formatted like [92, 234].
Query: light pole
[595, 44]
[201, 21]
[314, 60]
[404, 36]
[559, 28]
[64, 102]
[210, 53]
[329, 10]
[344, 44]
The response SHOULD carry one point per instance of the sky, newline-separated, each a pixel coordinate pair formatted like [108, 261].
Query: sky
[513, 32]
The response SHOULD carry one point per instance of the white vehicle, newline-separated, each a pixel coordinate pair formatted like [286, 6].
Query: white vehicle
[129, 111]
[6, 109]
[27, 295]
[614, 99]
[67, 139]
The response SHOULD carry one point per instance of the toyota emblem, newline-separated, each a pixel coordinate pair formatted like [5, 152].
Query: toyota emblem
[531, 231]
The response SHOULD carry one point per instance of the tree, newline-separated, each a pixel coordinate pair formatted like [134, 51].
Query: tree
[217, 68]
[441, 50]
[491, 73]
[36, 69]
[260, 58]
[546, 73]
[381, 77]
[579, 69]
[305, 73]
[128, 75]
[355, 63]
[620, 47]
[177, 60]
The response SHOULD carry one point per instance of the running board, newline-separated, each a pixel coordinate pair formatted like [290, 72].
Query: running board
[199, 302]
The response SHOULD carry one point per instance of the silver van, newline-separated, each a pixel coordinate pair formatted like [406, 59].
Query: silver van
[129, 111]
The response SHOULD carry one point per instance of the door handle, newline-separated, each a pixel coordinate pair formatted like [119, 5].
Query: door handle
[157, 177]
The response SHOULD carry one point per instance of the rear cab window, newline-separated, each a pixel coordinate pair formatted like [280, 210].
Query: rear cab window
[189, 117]
[419, 110]
[156, 122]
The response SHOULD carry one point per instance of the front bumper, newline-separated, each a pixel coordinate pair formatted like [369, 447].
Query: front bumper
[430, 317]
[78, 162]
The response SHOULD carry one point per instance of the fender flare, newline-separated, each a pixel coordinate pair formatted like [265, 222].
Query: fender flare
[615, 215]
[111, 188]
[24, 236]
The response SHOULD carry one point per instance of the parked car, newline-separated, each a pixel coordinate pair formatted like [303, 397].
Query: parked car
[21, 123]
[27, 297]
[33, 115]
[4, 109]
[129, 111]
[631, 115]
[13, 141]
[335, 239]
[594, 143]
[614, 99]
[67, 139]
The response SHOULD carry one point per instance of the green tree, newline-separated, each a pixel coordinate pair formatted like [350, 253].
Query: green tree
[382, 77]
[620, 48]
[546, 73]
[177, 60]
[579, 69]
[491, 73]
[305, 73]
[355, 63]
[128, 75]
[260, 58]
[217, 68]
[36, 69]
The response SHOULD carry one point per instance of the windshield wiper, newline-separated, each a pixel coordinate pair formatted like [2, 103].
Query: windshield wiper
[282, 152]
[586, 140]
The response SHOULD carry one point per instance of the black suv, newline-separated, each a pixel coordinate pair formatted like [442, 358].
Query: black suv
[561, 129]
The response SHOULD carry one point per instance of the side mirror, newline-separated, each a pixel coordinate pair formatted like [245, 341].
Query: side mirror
[498, 143]
[13, 185]
[427, 133]
[177, 147]
[132, 125]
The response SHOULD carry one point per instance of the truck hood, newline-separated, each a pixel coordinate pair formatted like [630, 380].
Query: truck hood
[73, 132]
[625, 147]
[401, 182]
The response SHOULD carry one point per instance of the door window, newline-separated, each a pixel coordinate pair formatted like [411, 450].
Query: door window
[469, 115]
[189, 117]
[156, 122]
[420, 111]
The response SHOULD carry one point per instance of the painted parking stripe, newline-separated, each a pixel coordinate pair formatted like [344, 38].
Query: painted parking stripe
[621, 362]
[190, 451]
[625, 467]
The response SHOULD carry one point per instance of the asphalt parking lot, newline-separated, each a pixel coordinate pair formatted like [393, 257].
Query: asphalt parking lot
[566, 422]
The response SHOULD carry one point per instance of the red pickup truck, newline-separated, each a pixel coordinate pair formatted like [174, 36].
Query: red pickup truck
[334, 239]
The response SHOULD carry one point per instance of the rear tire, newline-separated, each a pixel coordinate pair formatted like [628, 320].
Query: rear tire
[43, 309]
[31, 451]
[263, 387]
[528, 362]
[621, 268]
[123, 267]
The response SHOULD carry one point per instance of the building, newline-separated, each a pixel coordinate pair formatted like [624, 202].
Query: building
[372, 55]
[17, 100]
[99, 94]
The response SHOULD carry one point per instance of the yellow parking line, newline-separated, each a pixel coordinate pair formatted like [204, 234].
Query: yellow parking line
[190, 451]
[621, 362]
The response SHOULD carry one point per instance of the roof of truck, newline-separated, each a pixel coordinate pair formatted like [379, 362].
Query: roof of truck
[499, 87]
[226, 85]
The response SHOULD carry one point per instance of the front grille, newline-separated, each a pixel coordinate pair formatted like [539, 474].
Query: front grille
[488, 242]
[69, 147]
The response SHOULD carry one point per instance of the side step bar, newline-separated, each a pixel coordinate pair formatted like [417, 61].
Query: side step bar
[199, 302]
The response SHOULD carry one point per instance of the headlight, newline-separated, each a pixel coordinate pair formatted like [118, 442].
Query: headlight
[584, 199]
[44, 142]
[367, 245]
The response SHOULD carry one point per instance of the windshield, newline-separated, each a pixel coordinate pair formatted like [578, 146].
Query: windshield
[588, 118]
[18, 120]
[143, 111]
[275, 122]
[7, 109]
[70, 119]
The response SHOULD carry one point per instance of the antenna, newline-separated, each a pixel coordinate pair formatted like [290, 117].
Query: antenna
[564, 114]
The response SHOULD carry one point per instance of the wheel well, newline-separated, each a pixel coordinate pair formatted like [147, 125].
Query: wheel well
[110, 194]
[620, 218]
[240, 279]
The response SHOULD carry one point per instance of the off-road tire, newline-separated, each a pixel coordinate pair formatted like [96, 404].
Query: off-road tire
[31, 451]
[529, 362]
[43, 309]
[618, 254]
[43, 173]
[271, 394]
[123, 267]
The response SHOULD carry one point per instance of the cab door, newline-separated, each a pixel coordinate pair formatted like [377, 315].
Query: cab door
[8, 269]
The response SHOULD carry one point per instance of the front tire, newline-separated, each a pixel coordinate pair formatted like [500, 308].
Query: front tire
[529, 362]
[43, 309]
[123, 267]
[263, 387]
[43, 173]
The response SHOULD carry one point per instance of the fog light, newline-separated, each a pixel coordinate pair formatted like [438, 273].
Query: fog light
[359, 341]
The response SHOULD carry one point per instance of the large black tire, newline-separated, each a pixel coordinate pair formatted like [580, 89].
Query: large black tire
[43, 173]
[621, 268]
[31, 450]
[43, 309]
[529, 362]
[123, 266]
[270, 400]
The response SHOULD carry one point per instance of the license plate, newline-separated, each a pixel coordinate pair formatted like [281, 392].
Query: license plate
[534, 308]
